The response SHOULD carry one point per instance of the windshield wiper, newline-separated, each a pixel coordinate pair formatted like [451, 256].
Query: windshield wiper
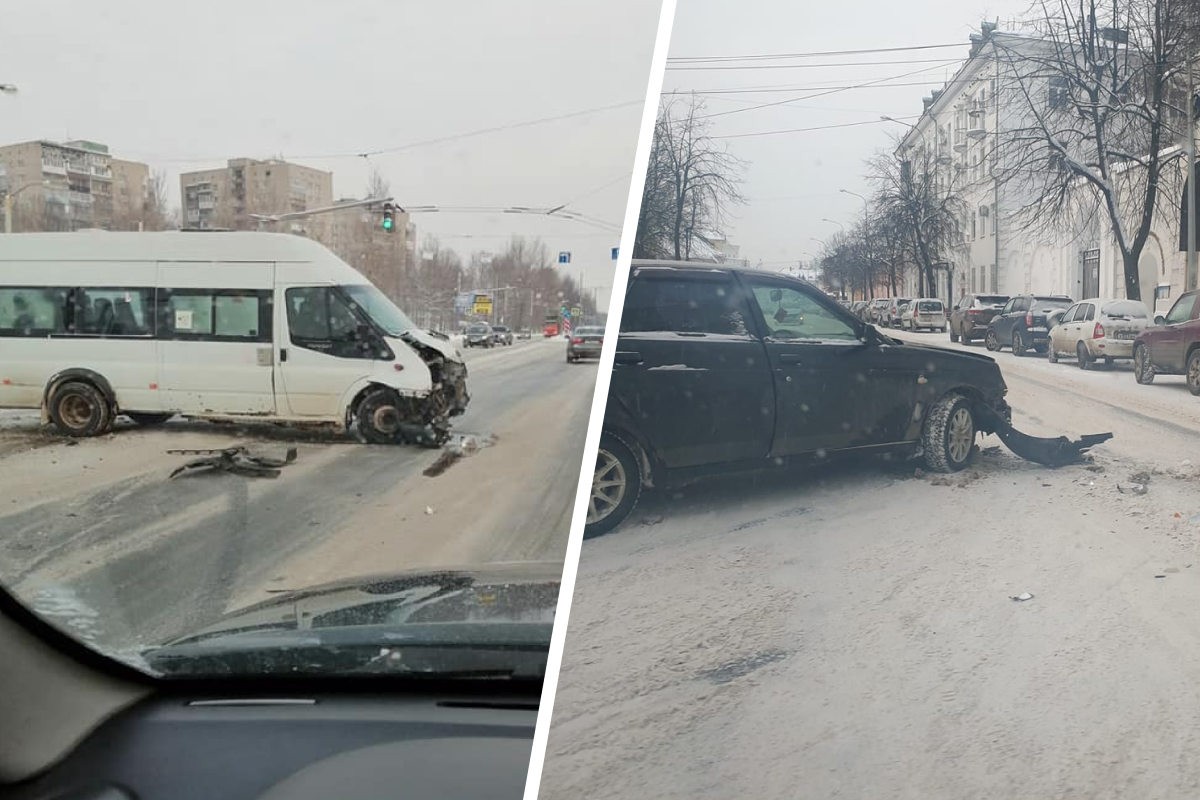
[516, 650]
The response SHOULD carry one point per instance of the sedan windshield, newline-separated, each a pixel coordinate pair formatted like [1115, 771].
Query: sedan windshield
[382, 311]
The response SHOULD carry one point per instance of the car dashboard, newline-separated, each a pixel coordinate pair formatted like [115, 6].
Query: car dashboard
[302, 745]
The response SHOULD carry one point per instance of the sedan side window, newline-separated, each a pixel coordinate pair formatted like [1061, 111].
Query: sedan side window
[1069, 314]
[1089, 313]
[684, 305]
[1182, 310]
[1008, 307]
[792, 314]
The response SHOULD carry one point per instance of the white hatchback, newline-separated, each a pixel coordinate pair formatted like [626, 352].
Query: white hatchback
[924, 313]
[1098, 329]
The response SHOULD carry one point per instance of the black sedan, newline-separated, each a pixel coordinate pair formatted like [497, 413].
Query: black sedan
[719, 369]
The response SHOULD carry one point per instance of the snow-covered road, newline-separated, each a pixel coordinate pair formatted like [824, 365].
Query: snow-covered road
[849, 633]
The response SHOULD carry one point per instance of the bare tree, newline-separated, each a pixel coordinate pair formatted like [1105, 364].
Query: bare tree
[1093, 110]
[377, 185]
[922, 208]
[690, 180]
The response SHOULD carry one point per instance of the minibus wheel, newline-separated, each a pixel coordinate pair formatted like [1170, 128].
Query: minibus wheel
[79, 409]
[378, 417]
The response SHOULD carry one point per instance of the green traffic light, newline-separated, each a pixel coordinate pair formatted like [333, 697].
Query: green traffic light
[387, 224]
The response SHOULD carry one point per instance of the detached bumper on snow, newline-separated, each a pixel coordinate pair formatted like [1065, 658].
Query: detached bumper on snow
[1051, 452]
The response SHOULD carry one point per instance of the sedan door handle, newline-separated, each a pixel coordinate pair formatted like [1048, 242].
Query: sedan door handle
[627, 357]
[789, 358]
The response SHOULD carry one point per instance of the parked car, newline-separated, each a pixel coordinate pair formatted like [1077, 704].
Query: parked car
[480, 335]
[1097, 329]
[585, 342]
[924, 313]
[718, 369]
[856, 308]
[1024, 323]
[876, 309]
[890, 316]
[972, 315]
[502, 334]
[1172, 346]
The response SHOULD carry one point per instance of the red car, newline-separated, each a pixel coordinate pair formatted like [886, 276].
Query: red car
[1172, 347]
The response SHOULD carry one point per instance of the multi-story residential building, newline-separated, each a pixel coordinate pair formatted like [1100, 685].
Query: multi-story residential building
[226, 197]
[67, 185]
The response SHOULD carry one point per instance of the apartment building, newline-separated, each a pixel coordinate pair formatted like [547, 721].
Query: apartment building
[70, 185]
[959, 139]
[227, 196]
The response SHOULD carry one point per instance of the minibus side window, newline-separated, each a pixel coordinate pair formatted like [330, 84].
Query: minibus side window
[34, 311]
[320, 319]
[114, 312]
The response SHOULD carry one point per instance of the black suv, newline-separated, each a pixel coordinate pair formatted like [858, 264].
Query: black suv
[719, 369]
[1024, 323]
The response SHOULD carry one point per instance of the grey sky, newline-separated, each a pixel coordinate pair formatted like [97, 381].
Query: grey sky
[792, 180]
[185, 86]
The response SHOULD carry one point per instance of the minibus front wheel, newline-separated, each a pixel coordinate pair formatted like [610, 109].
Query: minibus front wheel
[378, 416]
[80, 409]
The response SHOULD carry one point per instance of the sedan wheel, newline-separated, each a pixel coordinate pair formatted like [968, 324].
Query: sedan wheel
[1143, 370]
[1082, 357]
[616, 484]
[948, 438]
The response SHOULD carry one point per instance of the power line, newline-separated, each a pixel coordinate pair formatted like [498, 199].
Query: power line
[806, 130]
[623, 176]
[821, 66]
[821, 94]
[813, 88]
[818, 54]
[420, 143]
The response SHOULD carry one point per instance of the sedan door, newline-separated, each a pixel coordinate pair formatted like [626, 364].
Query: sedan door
[821, 368]
[691, 371]
[1061, 338]
[1167, 349]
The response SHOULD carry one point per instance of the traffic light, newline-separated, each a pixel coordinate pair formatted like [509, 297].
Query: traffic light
[389, 217]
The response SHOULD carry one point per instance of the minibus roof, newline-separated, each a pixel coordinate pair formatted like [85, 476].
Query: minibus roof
[238, 247]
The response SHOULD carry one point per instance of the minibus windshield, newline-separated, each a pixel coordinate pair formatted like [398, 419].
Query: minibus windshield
[382, 311]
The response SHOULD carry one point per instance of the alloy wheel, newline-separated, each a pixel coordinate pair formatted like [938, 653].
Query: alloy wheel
[608, 486]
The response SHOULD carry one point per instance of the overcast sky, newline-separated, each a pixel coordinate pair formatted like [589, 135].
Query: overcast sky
[792, 179]
[186, 86]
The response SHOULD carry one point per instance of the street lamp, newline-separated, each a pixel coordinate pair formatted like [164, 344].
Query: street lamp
[834, 222]
[885, 118]
[8, 202]
[8, 88]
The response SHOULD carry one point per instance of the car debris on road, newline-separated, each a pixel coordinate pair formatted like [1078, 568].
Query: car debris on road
[236, 460]
[1050, 452]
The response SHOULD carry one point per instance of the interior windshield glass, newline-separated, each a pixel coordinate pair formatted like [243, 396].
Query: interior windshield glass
[382, 311]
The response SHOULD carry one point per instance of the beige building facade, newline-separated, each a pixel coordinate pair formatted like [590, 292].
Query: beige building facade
[64, 186]
[228, 196]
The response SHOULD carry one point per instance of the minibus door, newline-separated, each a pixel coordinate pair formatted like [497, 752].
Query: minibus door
[215, 331]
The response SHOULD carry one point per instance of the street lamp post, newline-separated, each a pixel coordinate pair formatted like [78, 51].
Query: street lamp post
[8, 202]
[869, 278]
[8, 88]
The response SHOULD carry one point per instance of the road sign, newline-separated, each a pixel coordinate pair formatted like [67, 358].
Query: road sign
[566, 312]
[564, 257]
[614, 253]
[463, 302]
[483, 304]
[577, 312]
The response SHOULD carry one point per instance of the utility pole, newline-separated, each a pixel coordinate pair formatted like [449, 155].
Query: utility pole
[1190, 280]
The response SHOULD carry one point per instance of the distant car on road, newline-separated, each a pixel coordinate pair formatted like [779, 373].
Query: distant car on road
[1024, 322]
[971, 315]
[890, 317]
[1097, 329]
[1171, 347]
[502, 334]
[480, 335]
[525, 333]
[719, 369]
[585, 342]
[927, 313]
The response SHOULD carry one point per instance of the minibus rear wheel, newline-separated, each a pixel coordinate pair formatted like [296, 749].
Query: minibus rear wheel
[80, 409]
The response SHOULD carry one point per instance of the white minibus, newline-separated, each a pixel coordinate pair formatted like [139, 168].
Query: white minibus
[214, 325]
